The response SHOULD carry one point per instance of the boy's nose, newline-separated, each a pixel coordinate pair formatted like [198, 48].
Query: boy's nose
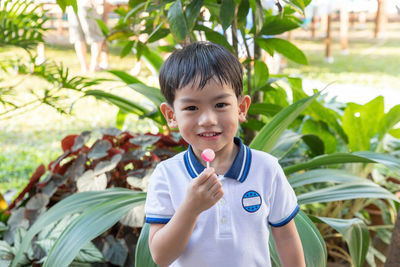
[207, 118]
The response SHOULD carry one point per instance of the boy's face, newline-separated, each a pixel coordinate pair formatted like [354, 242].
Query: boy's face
[208, 117]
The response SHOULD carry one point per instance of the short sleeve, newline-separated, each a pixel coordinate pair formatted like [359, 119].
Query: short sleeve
[284, 205]
[158, 207]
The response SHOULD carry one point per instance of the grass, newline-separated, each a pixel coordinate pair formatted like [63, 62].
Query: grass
[370, 62]
[33, 138]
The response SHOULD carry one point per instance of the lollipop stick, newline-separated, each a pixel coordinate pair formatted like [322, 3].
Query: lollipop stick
[208, 164]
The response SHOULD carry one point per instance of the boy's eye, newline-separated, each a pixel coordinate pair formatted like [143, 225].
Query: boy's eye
[190, 108]
[221, 105]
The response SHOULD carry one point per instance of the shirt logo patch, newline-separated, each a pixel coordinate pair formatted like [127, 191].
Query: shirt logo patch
[251, 201]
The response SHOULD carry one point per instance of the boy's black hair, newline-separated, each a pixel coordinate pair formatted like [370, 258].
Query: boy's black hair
[197, 63]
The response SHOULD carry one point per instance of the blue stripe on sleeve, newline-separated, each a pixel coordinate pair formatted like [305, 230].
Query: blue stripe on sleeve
[156, 220]
[288, 219]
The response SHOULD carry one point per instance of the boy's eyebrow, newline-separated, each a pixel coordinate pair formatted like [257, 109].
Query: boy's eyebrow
[191, 100]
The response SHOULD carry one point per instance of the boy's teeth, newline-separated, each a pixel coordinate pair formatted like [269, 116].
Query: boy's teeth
[209, 134]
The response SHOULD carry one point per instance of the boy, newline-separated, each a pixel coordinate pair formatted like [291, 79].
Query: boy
[216, 216]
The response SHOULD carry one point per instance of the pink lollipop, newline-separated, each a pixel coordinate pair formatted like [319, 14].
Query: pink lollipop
[208, 155]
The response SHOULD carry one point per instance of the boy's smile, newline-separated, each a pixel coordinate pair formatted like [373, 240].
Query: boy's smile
[208, 117]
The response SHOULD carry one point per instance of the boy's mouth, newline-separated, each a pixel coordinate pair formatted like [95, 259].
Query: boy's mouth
[209, 134]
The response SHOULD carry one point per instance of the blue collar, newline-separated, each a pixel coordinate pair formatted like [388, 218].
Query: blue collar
[238, 171]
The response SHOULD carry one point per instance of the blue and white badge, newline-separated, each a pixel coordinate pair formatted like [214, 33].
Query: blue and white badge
[251, 201]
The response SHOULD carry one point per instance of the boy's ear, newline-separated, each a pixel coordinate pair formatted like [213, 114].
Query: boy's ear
[244, 104]
[169, 115]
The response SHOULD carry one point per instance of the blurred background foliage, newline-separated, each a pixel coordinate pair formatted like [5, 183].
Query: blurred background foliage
[341, 158]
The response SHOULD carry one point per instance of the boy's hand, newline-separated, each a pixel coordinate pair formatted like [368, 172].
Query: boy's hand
[204, 191]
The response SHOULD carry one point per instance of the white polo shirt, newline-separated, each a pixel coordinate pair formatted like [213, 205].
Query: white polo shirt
[234, 232]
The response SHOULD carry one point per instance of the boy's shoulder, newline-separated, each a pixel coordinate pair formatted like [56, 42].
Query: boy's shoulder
[259, 156]
[173, 161]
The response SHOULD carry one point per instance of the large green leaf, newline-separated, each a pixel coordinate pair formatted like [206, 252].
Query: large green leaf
[362, 122]
[270, 133]
[125, 105]
[125, 77]
[323, 175]
[339, 158]
[313, 244]
[143, 256]
[226, 13]
[286, 142]
[283, 47]
[355, 233]
[265, 109]
[354, 190]
[81, 231]
[177, 22]
[152, 93]
[73, 204]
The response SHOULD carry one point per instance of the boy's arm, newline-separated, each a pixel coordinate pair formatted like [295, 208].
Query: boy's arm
[167, 242]
[288, 245]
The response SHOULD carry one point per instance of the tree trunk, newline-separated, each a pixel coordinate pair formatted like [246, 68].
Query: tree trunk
[393, 259]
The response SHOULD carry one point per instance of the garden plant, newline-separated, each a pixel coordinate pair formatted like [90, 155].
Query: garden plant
[332, 152]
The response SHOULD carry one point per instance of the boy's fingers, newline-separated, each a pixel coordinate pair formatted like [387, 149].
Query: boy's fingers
[219, 194]
[212, 182]
[203, 177]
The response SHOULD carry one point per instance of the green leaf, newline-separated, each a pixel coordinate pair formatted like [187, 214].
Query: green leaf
[125, 77]
[283, 47]
[64, 3]
[356, 235]
[127, 48]
[354, 190]
[301, 4]
[395, 133]
[391, 119]
[177, 23]
[323, 175]
[158, 33]
[192, 11]
[152, 93]
[227, 13]
[270, 133]
[261, 74]
[120, 119]
[362, 122]
[275, 25]
[321, 130]
[81, 231]
[338, 158]
[152, 56]
[103, 27]
[73, 204]
[313, 244]
[285, 144]
[217, 38]
[125, 105]
[242, 12]
[143, 256]
[315, 143]
[265, 109]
